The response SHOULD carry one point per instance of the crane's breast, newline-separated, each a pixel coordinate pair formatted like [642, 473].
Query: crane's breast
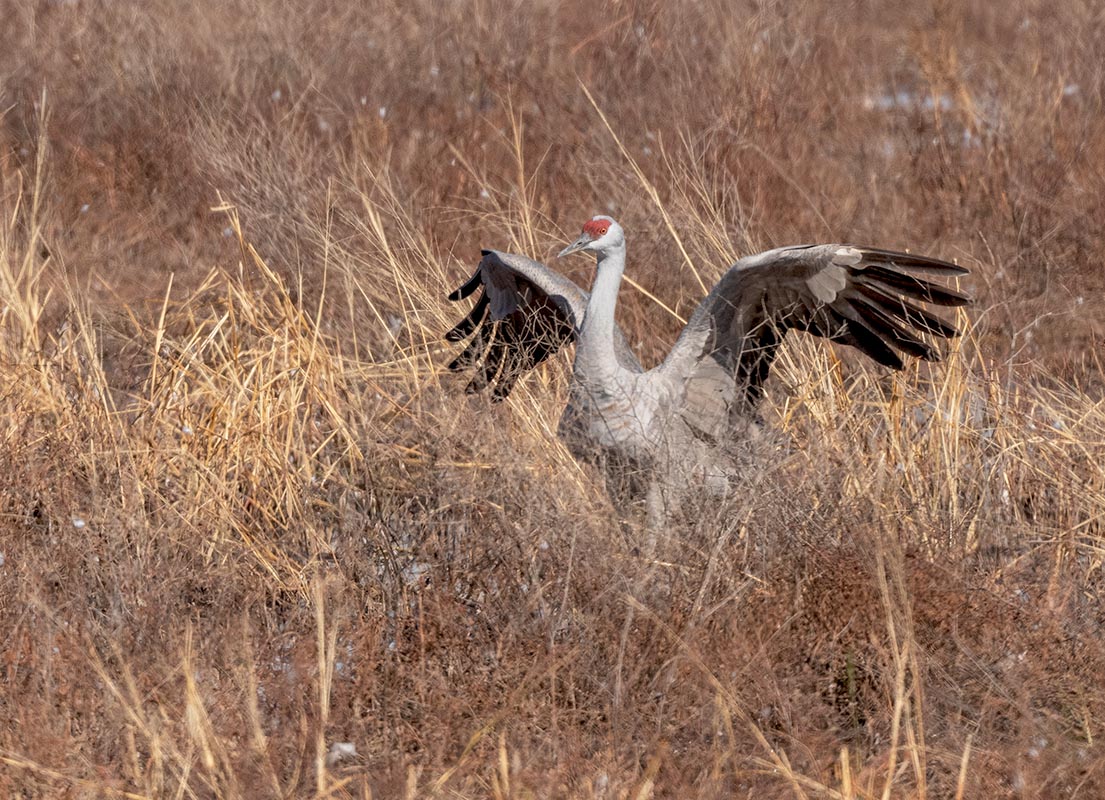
[621, 416]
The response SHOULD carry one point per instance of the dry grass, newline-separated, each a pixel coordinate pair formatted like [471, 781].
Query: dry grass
[246, 517]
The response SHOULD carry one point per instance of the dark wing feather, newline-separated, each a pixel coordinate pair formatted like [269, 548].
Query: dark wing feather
[863, 297]
[524, 315]
[469, 286]
[463, 329]
[471, 355]
[905, 311]
[909, 262]
[915, 288]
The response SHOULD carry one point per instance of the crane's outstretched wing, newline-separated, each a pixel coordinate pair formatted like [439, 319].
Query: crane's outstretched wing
[859, 296]
[534, 312]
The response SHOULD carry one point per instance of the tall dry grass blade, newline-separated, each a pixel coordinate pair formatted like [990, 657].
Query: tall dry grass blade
[961, 779]
[846, 791]
[325, 655]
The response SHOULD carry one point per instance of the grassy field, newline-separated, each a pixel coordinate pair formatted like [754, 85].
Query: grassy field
[249, 524]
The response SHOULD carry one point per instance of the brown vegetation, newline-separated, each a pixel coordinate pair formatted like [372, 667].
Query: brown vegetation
[246, 517]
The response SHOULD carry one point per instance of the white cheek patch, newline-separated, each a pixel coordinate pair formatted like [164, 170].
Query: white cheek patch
[827, 283]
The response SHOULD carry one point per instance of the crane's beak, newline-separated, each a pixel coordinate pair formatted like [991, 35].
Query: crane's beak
[576, 246]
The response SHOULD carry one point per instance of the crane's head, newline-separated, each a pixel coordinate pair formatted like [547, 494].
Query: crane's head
[599, 234]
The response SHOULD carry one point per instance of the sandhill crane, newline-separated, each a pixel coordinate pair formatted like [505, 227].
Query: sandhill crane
[673, 422]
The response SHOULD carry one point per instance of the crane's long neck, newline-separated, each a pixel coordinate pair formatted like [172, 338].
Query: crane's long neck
[596, 340]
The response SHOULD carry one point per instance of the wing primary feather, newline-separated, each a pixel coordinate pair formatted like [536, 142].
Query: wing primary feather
[862, 336]
[463, 329]
[912, 287]
[469, 286]
[908, 261]
[470, 356]
[891, 332]
[904, 310]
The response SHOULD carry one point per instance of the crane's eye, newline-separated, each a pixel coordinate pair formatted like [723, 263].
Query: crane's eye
[602, 231]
